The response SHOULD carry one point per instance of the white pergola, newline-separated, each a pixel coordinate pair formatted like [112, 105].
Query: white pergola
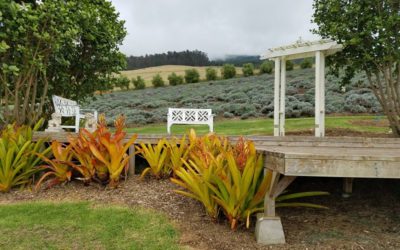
[318, 49]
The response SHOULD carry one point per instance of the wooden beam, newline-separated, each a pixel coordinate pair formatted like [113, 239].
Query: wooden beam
[276, 96]
[282, 98]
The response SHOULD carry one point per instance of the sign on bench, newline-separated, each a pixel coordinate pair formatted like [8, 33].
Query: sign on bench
[190, 117]
[68, 108]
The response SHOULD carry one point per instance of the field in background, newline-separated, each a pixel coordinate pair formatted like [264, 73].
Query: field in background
[363, 124]
[148, 73]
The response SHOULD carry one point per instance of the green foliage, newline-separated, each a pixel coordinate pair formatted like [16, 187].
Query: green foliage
[306, 63]
[370, 44]
[289, 65]
[175, 79]
[138, 83]
[18, 159]
[68, 48]
[156, 156]
[211, 74]
[248, 69]
[122, 82]
[228, 178]
[192, 76]
[266, 67]
[228, 71]
[157, 81]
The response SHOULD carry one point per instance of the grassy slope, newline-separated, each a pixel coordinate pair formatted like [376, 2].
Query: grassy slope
[148, 73]
[265, 126]
[82, 226]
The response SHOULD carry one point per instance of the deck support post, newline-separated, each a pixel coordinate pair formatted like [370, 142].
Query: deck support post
[269, 229]
[347, 187]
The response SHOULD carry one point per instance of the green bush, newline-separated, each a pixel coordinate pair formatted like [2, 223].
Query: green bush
[157, 81]
[192, 76]
[211, 74]
[138, 82]
[266, 67]
[228, 71]
[175, 79]
[248, 69]
[122, 82]
[306, 63]
[289, 65]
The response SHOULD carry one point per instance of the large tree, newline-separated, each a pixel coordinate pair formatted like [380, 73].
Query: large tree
[63, 47]
[370, 33]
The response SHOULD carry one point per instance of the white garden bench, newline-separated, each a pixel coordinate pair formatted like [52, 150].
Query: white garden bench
[190, 117]
[69, 108]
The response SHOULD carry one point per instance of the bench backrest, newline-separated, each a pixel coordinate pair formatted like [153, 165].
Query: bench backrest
[189, 116]
[65, 107]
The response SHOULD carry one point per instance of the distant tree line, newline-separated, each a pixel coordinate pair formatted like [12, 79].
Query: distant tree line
[187, 57]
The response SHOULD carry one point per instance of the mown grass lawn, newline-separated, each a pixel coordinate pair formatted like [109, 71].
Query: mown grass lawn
[83, 226]
[265, 126]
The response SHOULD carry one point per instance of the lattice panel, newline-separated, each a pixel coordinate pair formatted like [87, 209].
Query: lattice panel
[190, 115]
[203, 116]
[177, 116]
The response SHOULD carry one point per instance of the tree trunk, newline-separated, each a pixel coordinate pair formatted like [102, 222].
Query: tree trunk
[386, 86]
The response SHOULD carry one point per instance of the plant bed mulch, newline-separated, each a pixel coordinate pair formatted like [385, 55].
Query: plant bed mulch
[370, 219]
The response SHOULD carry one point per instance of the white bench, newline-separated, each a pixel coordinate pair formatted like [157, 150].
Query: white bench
[69, 108]
[190, 116]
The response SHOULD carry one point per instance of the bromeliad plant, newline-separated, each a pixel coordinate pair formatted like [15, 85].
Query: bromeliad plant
[60, 166]
[229, 178]
[18, 158]
[157, 158]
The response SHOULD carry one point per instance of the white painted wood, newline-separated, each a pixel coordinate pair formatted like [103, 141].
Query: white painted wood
[190, 117]
[319, 94]
[302, 49]
[70, 108]
[282, 98]
[276, 96]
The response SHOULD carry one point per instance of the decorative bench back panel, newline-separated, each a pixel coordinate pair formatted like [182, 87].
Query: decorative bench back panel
[65, 107]
[189, 116]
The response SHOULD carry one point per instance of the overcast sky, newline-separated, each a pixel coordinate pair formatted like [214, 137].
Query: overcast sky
[217, 27]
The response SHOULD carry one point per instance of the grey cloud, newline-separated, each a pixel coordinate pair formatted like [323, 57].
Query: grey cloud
[216, 27]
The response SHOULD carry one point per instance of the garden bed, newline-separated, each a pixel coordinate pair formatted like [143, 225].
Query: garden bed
[347, 224]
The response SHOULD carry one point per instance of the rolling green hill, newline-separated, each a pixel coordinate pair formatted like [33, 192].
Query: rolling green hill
[240, 98]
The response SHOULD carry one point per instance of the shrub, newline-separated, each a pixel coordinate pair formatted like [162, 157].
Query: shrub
[266, 67]
[192, 76]
[138, 82]
[289, 65]
[211, 74]
[248, 69]
[122, 82]
[175, 79]
[18, 155]
[228, 178]
[157, 81]
[306, 63]
[228, 71]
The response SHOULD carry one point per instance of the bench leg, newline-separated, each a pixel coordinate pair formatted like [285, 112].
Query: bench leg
[131, 169]
[347, 187]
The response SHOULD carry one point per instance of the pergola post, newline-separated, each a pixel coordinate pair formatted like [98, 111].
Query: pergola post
[282, 98]
[319, 94]
[276, 96]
